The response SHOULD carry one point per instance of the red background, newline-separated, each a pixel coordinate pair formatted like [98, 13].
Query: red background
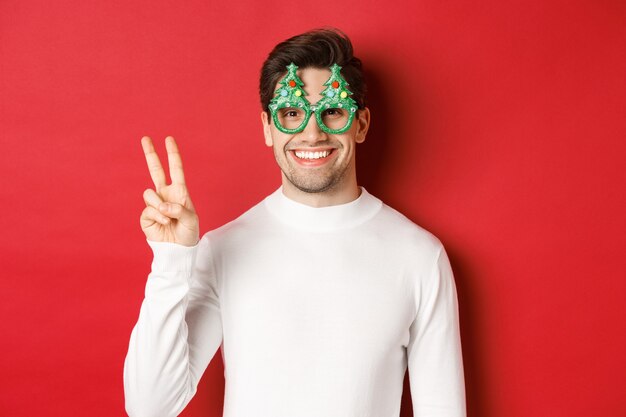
[497, 125]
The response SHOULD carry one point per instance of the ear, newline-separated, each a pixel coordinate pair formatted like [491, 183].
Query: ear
[363, 124]
[267, 131]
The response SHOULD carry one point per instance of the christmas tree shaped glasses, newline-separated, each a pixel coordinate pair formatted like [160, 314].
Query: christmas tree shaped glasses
[291, 111]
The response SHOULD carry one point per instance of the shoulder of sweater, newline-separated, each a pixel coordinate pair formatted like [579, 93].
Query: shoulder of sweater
[400, 227]
[240, 223]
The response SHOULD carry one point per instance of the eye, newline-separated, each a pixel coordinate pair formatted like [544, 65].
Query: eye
[291, 113]
[333, 112]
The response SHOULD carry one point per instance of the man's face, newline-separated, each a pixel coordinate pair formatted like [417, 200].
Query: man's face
[334, 165]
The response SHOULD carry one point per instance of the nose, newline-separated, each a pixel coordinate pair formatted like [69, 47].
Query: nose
[312, 131]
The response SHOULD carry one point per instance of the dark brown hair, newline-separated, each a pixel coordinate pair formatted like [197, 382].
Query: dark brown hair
[319, 48]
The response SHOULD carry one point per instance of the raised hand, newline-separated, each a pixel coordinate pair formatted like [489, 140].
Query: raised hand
[169, 215]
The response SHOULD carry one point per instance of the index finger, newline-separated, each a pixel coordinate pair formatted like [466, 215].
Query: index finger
[175, 162]
[154, 164]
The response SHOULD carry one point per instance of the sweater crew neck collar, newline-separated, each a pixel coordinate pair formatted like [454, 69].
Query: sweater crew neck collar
[322, 219]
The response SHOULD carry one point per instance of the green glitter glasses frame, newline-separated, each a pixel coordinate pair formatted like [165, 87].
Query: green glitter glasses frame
[291, 111]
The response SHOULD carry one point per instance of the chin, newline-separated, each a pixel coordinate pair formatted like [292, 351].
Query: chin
[313, 189]
[318, 185]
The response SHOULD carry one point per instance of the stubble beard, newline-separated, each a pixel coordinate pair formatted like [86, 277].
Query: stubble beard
[317, 180]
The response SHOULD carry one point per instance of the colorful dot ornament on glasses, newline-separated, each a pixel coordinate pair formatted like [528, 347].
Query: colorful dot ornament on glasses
[291, 111]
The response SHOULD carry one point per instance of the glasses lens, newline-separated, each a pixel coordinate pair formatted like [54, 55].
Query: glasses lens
[290, 117]
[335, 118]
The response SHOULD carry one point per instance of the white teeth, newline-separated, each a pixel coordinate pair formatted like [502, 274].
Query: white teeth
[312, 155]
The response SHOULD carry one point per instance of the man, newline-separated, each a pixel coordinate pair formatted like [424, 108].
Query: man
[320, 296]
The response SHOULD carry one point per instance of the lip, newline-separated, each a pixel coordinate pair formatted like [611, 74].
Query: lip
[312, 162]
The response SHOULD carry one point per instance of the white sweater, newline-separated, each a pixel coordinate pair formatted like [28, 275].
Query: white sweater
[318, 312]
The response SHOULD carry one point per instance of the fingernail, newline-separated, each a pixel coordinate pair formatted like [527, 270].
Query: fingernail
[163, 207]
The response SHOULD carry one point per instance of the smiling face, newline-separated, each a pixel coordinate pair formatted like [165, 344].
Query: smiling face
[314, 161]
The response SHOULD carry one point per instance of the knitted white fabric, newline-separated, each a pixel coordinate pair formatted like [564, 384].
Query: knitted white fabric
[318, 312]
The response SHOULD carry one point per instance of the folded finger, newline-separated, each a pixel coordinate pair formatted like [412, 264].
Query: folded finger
[177, 211]
[151, 215]
[173, 210]
[151, 198]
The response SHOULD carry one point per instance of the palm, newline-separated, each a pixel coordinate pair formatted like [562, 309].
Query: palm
[183, 226]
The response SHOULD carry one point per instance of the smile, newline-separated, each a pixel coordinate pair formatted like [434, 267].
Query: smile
[312, 158]
[311, 155]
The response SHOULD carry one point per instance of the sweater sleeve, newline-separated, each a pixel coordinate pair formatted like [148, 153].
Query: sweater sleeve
[434, 351]
[178, 331]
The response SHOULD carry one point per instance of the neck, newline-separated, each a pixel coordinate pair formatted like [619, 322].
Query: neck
[342, 193]
[332, 218]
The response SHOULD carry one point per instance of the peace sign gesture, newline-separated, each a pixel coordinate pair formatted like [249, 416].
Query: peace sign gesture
[169, 215]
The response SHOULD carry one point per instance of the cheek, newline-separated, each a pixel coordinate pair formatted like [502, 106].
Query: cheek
[348, 143]
[279, 141]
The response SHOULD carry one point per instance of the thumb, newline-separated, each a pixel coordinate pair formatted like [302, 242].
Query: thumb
[177, 211]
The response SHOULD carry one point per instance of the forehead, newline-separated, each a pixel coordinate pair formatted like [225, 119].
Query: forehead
[313, 79]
